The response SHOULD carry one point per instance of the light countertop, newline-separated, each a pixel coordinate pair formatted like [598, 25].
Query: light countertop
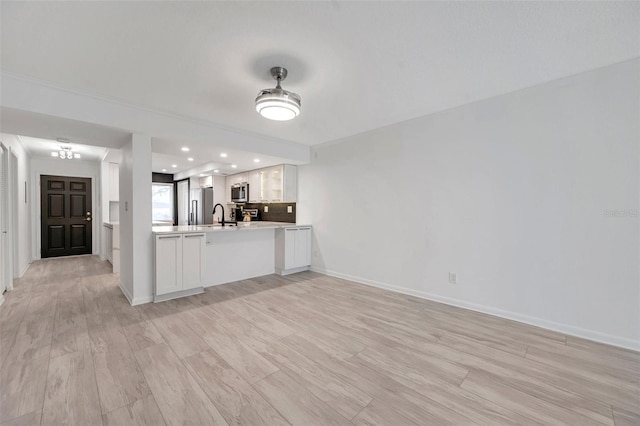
[242, 226]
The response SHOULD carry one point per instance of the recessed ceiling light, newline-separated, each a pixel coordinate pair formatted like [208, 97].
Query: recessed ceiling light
[185, 149]
[54, 153]
[174, 165]
[233, 166]
[256, 160]
[189, 159]
[164, 170]
[76, 155]
[202, 175]
[216, 171]
[223, 155]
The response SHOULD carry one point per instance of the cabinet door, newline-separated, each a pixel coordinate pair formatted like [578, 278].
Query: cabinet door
[168, 263]
[108, 234]
[114, 182]
[289, 183]
[255, 186]
[303, 247]
[192, 252]
[290, 235]
[275, 184]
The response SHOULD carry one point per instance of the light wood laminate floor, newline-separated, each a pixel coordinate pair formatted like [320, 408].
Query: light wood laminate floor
[302, 350]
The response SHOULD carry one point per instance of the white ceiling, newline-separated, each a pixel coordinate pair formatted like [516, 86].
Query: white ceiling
[206, 159]
[43, 148]
[357, 65]
[48, 127]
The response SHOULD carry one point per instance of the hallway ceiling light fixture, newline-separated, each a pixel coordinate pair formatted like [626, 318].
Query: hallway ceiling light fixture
[278, 104]
[65, 153]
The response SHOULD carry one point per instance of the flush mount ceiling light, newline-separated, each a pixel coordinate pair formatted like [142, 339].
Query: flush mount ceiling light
[65, 153]
[278, 104]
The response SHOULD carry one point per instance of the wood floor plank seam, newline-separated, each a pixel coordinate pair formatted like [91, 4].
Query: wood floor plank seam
[304, 349]
[363, 408]
[46, 384]
[542, 401]
[464, 378]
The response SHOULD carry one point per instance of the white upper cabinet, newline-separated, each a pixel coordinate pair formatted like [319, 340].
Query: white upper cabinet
[277, 184]
[114, 182]
[289, 183]
[255, 186]
[206, 182]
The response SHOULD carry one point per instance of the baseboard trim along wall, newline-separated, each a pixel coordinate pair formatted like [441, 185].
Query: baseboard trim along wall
[24, 269]
[526, 319]
[125, 292]
[142, 300]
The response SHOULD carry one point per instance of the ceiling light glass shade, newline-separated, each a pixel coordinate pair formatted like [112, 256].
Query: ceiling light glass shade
[65, 153]
[278, 104]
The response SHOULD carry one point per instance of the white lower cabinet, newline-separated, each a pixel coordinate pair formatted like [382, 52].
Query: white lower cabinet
[192, 253]
[108, 242]
[293, 249]
[178, 264]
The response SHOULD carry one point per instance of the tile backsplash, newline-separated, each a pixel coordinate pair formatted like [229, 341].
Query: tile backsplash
[278, 212]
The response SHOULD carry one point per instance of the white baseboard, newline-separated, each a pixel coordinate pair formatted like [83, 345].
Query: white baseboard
[126, 293]
[142, 300]
[571, 330]
[24, 269]
[178, 294]
[134, 301]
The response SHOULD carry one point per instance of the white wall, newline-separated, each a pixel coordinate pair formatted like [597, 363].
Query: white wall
[136, 239]
[220, 196]
[22, 232]
[104, 206]
[513, 193]
[76, 168]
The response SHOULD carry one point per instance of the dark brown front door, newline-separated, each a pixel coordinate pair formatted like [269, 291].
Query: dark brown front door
[66, 215]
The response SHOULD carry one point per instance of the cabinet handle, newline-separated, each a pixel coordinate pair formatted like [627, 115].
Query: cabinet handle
[169, 236]
[291, 229]
[194, 235]
[304, 229]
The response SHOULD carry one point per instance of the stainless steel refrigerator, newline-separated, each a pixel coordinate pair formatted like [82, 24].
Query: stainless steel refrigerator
[201, 206]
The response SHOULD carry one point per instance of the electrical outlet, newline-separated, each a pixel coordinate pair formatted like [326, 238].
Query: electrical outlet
[453, 278]
[289, 209]
[266, 209]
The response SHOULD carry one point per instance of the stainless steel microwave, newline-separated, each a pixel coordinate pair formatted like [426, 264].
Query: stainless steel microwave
[240, 192]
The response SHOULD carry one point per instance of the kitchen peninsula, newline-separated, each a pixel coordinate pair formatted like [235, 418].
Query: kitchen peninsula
[190, 258]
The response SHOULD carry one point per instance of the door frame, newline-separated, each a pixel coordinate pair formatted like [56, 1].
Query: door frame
[36, 173]
[15, 201]
[6, 260]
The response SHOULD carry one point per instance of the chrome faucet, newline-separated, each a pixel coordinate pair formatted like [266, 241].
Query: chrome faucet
[214, 212]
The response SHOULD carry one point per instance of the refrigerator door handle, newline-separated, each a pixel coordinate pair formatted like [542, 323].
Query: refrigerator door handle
[194, 212]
